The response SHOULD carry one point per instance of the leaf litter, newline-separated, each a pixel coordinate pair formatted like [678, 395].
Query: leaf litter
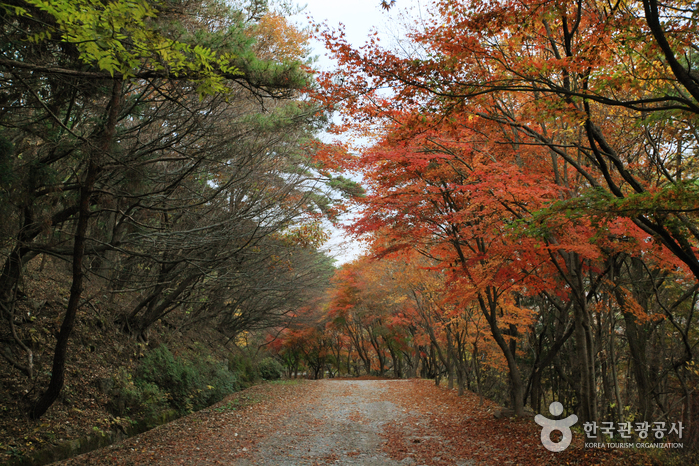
[333, 421]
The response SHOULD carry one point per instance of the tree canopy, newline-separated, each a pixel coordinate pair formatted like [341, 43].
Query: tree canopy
[165, 150]
[534, 164]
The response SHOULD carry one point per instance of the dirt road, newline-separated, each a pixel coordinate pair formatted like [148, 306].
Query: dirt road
[345, 422]
[343, 426]
[297, 423]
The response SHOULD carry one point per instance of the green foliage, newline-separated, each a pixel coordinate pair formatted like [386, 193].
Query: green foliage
[219, 381]
[270, 369]
[120, 37]
[190, 385]
[130, 38]
[244, 367]
[348, 188]
[129, 397]
[164, 381]
[249, 371]
[681, 197]
[161, 368]
[287, 382]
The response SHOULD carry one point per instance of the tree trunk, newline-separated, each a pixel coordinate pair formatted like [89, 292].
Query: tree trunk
[477, 370]
[489, 310]
[585, 364]
[61, 350]
[450, 362]
[584, 340]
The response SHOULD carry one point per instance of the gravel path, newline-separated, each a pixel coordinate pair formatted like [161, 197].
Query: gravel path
[346, 422]
[341, 427]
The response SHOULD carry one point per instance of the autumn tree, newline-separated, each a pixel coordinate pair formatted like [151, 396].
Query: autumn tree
[578, 139]
[556, 76]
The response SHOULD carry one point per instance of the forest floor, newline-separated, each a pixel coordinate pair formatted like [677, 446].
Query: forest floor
[98, 351]
[346, 421]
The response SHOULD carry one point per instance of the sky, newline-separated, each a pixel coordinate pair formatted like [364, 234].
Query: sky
[359, 17]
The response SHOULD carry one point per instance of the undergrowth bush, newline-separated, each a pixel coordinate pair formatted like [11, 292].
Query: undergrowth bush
[270, 369]
[135, 398]
[244, 367]
[220, 382]
[162, 380]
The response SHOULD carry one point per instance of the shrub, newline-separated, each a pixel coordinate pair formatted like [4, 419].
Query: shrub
[189, 385]
[244, 368]
[174, 376]
[135, 398]
[270, 369]
[219, 380]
